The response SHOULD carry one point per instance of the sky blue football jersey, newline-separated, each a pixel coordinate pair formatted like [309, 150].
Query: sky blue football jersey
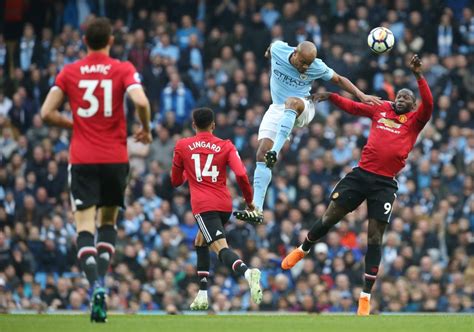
[286, 81]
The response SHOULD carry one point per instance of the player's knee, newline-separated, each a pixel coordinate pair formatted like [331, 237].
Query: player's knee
[260, 155]
[375, 237]
[328, 222]
[263, 147]
[107, 222]
[295, 104]
[198, 242]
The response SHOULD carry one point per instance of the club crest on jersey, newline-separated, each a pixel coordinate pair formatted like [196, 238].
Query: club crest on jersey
[402, 118]
[304, 77]
[389, 123]
[335, 195]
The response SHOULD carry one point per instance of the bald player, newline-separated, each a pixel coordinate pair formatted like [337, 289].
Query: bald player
[293, 71]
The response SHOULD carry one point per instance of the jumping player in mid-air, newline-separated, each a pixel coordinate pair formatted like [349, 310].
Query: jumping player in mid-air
[98, 169]
[203, 160]
[293, 71]
[395, 128]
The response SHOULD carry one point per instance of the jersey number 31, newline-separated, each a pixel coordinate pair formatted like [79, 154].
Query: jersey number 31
[90, 86]
[209, 169]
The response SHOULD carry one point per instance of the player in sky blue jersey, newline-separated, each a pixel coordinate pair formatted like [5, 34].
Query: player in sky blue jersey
[293, 71]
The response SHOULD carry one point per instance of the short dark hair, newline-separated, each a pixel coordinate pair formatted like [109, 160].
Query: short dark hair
[98, 33]
[203, 117]
[409, 92]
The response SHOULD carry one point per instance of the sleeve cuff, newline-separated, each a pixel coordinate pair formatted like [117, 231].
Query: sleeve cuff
[133, 87]
[55, 87]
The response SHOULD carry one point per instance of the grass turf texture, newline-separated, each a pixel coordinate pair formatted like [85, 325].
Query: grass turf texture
[260, 323]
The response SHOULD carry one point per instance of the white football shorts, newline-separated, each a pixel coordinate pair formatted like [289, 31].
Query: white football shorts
[269, 125]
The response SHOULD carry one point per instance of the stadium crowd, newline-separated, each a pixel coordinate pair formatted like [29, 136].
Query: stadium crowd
[210, 53]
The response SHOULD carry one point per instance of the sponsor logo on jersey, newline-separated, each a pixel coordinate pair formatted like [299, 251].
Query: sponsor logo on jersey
[402, 118]
[95, 69]
[389, 123]
[288, 79]
[218, 233]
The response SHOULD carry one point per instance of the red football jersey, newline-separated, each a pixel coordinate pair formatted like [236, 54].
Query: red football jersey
[392, 136]
[203, 160]
[96, 86]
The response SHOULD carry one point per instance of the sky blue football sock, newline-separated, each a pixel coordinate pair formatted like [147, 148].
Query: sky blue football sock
[284, 129]
[261, 180]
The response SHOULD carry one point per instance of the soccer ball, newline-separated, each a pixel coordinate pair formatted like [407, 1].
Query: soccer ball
[380, 40]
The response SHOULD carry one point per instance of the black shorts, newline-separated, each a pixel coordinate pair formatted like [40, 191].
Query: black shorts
[97, 184]
[211, 224]
[360, 185]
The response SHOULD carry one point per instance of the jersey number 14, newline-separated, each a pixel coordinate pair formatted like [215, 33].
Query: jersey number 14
[208, 170]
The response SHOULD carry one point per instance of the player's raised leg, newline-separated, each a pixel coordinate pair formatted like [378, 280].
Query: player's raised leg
[261, 180]
[203, 266]
[293, 108]
[331, 217]
[372, 262]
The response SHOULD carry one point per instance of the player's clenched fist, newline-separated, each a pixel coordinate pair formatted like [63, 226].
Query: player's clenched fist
[416, 65]
[321, 96]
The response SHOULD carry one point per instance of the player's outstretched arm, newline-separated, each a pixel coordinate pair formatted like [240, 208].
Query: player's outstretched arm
[345, 84]
[49, 110]
[235, 163]
[345, 104]
[142, 105]
[426, 108]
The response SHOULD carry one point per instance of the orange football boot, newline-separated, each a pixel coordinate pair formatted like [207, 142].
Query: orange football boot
[364, 306]
[293, 257]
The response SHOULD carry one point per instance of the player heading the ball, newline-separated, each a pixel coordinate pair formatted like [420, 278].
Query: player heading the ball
[395, 128]
[293, 71]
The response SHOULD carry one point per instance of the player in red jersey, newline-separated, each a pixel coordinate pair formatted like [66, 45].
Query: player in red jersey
[203, 160]
[395, 128]
[96, 86]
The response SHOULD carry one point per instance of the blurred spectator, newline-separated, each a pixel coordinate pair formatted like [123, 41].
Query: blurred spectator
[139, 54]
[161, 149]
[185, 32]
[5, 104]
[165, 49]
[27, 51]
[178, 99]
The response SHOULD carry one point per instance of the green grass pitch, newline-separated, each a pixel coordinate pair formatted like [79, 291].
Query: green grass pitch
[241, 323]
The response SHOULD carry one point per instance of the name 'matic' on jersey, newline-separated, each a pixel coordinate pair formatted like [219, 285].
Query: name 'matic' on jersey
[96, 86]
[286, 81]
